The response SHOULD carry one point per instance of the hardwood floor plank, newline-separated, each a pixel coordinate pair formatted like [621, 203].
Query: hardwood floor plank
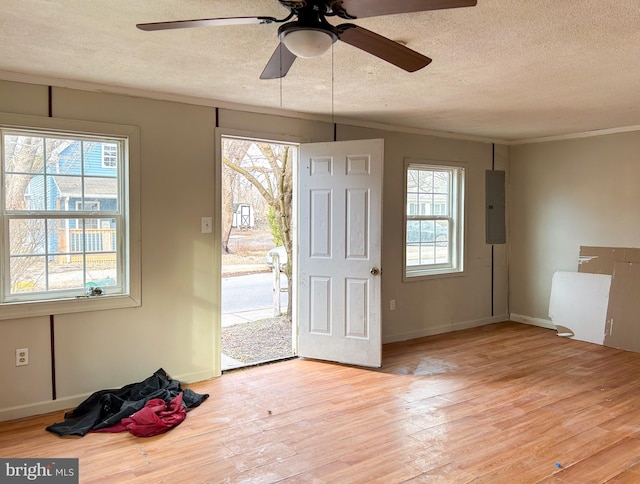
[630, 475]
[605, 464]
[529, 467]
[499, 403]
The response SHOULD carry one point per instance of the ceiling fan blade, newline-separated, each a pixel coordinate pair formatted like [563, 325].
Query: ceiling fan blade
[373, 8]
[386, 49]
[205, 22]
[279, 63]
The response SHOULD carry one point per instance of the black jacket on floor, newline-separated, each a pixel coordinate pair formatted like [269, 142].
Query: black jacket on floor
[105, 408]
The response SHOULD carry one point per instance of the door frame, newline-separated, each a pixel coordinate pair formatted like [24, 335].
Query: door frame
[217, 231]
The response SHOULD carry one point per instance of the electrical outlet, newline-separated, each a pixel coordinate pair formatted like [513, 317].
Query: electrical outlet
[22, 356]
[392, 305]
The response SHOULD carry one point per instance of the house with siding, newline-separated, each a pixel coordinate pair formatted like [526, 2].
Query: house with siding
[61, 188]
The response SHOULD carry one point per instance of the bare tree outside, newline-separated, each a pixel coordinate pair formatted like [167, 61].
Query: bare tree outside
[228, 181]
[24, 159]
[269, 168]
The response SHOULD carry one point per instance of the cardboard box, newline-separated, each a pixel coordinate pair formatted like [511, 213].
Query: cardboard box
[622, 328]
[600, 260]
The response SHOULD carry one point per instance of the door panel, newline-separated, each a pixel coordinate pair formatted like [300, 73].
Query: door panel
[357, 214]
[339, 252]
[321, 224]
[320, 305]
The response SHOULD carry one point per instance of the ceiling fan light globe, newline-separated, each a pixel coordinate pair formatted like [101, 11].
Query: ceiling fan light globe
[308, 43]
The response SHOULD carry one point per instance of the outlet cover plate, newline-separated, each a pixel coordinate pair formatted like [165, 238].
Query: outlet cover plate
[22, 356]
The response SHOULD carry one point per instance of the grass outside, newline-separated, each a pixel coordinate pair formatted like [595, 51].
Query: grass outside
[248, 249]
[240, 264]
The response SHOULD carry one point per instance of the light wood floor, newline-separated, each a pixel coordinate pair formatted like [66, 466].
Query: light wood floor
[503, 403]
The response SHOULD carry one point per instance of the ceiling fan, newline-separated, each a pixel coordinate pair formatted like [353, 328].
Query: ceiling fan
[310, 34]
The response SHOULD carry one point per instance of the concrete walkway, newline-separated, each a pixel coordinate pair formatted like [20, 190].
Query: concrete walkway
[228, 363]
[240, 317]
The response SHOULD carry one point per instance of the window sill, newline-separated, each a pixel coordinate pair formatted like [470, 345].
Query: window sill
[65, 306]
[430, 275]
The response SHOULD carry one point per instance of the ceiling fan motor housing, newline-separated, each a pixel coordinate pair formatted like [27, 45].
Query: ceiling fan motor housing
[306, 40]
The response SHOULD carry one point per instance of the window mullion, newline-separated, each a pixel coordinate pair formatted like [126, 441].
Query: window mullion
[46, 253]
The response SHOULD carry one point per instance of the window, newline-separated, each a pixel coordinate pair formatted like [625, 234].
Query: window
[91, 223]
[67, 224]
[434, 224]
[109, 155]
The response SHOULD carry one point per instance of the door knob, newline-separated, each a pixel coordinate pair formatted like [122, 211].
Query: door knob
[375, 271]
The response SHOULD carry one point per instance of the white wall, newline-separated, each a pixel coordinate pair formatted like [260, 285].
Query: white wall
[175, 327]
[564, 194]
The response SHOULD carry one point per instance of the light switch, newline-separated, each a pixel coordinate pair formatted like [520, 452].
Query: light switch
[206, 225]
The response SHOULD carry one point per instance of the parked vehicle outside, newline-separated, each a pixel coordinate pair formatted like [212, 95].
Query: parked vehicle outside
[427, 231]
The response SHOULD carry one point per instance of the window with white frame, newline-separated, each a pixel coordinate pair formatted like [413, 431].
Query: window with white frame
[66, 224]
[109, 155]
[434, 218]
[90, 206]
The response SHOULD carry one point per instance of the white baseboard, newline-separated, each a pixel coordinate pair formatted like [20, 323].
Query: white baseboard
[195, 377]
[39, 408]
[543, 323]
[447, 328]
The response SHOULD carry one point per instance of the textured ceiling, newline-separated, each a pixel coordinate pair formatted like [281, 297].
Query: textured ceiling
[505, 69]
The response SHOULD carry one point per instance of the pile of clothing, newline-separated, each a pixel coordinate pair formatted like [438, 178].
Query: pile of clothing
[147, 408]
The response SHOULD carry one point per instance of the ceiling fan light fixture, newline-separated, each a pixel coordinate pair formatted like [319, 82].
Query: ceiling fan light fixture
[308, 42]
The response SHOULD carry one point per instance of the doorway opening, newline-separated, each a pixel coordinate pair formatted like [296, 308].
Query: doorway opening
[257, 221]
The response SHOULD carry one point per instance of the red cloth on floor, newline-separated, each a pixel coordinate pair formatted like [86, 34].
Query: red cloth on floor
[156, 417]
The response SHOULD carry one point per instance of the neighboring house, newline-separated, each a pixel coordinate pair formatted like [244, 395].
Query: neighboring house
[243, 216]
[76, 181]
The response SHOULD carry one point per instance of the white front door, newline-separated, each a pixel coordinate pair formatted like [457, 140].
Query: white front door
[339, 252]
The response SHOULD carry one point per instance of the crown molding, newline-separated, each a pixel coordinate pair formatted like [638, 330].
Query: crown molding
[216, 103]
[584, 134]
